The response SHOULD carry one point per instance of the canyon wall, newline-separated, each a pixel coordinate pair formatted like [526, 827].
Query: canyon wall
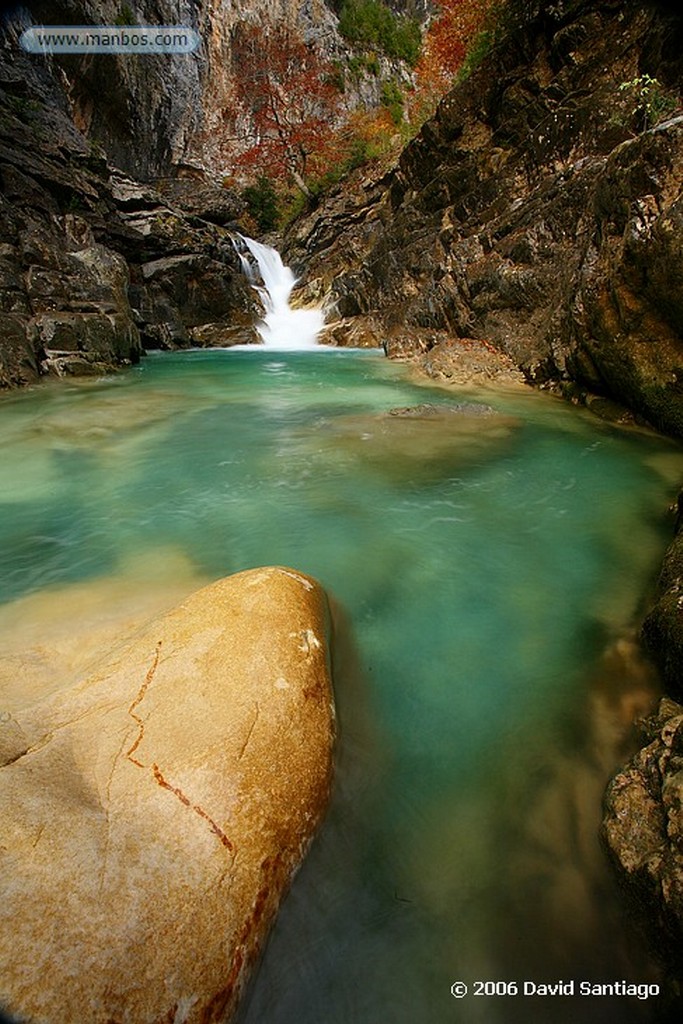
[95, 266]
[539, 211]
[154, 114]
[115, 227]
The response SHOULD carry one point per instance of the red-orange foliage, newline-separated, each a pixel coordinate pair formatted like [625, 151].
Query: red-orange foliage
[292, 98]
[448, 38]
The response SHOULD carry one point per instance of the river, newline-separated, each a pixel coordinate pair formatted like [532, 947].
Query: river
[485, 569]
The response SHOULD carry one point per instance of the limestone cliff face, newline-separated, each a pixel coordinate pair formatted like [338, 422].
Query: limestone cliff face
[95, 267]
[224, 129]
[540, 210]
[141, 111]
[155, 114]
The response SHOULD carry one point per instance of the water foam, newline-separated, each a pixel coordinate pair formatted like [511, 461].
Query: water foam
[282, 327]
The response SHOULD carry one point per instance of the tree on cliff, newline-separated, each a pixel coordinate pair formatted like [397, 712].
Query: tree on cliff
[449, 38]
[292, 98]
[457, 37]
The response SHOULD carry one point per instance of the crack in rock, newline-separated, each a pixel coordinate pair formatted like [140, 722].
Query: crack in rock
[159, 777]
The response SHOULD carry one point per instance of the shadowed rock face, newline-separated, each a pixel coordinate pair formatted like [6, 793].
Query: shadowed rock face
[663, 627]
[141, 110]
[539, 210]
[643, 829]
[153, 814]
[95, 267]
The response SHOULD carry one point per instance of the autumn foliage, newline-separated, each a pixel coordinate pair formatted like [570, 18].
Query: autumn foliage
[288, 123]
[293, 99]
[448, 39]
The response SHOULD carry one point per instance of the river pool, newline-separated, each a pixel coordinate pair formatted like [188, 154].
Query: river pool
[486, 570]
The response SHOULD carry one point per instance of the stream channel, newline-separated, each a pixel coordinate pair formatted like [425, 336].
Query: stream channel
[485, 571]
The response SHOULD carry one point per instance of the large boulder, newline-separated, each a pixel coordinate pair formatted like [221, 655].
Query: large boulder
[153, 815]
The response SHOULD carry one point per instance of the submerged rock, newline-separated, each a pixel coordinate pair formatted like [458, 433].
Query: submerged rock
[153, 814]
[453, 408]
[423, 442]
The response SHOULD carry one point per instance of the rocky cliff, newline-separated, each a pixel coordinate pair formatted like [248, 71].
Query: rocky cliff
[155, 113]
[643, 831]
[539, 210]
[142, 111]
[151, 113]
[94, 266]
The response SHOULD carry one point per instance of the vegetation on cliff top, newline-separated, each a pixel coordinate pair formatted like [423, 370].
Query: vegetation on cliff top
[372, 23]
[303, 137]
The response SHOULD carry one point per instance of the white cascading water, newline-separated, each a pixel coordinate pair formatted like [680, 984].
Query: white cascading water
[282, 327]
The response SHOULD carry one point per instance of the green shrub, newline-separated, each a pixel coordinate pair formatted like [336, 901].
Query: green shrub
[358, 155]
[337, 76]
[392, 99]
[372, 23]
[479, 47]
[125, 16]
[650, 101]
[262, 203]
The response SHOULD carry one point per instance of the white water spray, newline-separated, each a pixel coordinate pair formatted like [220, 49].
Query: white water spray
[282, 326]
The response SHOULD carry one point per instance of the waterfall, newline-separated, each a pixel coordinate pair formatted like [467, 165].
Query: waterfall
[282, 327]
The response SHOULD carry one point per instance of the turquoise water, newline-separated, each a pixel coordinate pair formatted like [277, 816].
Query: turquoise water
[480, 565]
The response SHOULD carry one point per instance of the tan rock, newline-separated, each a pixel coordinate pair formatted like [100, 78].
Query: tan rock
[152, 816]
[57, 636]
[643, 830]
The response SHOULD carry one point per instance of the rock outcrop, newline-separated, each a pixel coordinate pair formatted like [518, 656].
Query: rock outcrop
[539, 210]
[663, 627]
[643, 829]
[95, 267]
[153, 815]
[153, 113]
